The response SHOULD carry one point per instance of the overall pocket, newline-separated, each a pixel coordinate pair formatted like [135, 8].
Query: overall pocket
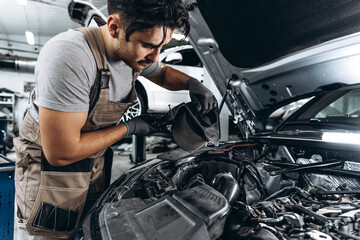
[108, 113]
[27, 176]
[106, 118]
[60, 199]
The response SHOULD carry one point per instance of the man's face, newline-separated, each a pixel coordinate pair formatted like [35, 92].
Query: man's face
[143, 47]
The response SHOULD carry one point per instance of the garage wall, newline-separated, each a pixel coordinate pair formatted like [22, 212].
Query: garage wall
[15, 81]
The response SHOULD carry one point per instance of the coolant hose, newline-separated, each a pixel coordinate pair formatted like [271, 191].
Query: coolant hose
[226, 184]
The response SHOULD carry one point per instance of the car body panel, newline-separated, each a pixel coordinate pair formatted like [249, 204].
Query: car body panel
[264, 88]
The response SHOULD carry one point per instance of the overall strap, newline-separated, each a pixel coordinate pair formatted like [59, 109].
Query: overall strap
[96, 42]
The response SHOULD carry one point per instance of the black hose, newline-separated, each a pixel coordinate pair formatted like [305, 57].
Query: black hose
[253, 165]
[307, 167]
[296, 230]
[261, 187]
[227, 160]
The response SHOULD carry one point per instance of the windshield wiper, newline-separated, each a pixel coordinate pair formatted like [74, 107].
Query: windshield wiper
[334, 123]
[319, 123]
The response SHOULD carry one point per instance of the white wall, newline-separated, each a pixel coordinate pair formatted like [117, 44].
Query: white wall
[15, 80]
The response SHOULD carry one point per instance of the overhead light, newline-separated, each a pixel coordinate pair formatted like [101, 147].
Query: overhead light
[30, 38]
[22, 2]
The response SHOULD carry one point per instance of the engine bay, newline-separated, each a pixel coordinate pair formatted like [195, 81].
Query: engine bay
[237, 191]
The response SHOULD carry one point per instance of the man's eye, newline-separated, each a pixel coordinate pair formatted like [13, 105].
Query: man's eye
[148, 47]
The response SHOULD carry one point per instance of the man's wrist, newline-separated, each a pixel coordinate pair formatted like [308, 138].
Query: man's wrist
[127, 129]
[188, 81]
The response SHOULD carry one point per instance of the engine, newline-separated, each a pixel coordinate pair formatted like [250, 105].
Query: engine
[242, 191]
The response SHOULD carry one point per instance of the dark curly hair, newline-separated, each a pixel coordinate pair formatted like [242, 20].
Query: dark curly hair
[145, 14]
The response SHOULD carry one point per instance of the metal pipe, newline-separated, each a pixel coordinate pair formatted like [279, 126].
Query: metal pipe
[19, 65]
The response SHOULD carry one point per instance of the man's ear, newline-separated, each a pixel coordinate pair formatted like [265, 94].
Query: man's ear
[113, 25]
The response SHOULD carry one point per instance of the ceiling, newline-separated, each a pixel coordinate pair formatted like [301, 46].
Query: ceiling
[45, 18]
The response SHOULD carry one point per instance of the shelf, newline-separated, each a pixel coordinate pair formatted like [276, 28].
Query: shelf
[6, 103]
[8, 100]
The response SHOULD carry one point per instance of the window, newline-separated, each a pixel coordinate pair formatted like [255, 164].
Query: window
[347, 105]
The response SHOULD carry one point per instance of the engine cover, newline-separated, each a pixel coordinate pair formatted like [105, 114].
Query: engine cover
[194, 213]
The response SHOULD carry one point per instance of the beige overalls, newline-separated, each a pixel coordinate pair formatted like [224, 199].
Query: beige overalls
[52, 199]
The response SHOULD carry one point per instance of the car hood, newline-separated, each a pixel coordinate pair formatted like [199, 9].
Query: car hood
[263, 55]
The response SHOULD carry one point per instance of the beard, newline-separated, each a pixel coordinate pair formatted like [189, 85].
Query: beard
[137, 65]
[122, 54]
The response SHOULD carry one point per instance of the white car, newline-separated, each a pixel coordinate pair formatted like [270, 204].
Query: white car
[182, 58]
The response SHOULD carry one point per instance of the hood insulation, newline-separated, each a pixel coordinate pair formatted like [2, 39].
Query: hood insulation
[264, 30]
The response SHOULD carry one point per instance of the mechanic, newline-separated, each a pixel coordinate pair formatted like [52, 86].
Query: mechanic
[64, 158]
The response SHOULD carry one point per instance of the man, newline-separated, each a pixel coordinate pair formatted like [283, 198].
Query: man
[63, 145]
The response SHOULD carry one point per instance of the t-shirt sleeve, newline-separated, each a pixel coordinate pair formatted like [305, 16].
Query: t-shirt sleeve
[151, 70]
[64, 73]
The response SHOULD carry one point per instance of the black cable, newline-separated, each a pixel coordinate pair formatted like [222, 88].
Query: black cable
[237, 154]
[281, 191]
[223, 101]
[266, 151]
[217, 158]
[308, 167]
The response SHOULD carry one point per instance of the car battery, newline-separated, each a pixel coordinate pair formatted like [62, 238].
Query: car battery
[7, 198]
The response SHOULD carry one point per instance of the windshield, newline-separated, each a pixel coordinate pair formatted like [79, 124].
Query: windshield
[335, 110]
[347, 105]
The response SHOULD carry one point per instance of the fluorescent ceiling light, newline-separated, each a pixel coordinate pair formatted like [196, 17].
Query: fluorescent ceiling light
[22, 2]
[30, 38]
[349, 138]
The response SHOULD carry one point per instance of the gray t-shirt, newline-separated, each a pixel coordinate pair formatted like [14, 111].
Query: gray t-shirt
[66, 70]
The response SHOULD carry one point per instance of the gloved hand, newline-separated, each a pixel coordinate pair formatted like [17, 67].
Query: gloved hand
[203, 99]
[144, 125]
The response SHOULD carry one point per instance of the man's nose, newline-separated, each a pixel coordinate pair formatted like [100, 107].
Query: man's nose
[154, 55]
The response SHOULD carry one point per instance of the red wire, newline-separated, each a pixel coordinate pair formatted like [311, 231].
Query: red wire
[234, 146]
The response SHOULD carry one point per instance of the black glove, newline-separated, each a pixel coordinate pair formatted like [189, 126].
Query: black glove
[203, 99]
[144, 125]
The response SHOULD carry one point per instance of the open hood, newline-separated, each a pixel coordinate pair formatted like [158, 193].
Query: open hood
[264, 54]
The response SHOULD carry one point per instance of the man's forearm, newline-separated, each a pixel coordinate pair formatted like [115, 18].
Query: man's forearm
[63, 151]
[63, 142]
[171, 79]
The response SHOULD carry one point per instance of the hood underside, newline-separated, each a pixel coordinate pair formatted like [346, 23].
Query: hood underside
[252, 33]
[265, 54]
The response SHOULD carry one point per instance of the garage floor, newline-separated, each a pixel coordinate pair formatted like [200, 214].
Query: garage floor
[121, 161]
